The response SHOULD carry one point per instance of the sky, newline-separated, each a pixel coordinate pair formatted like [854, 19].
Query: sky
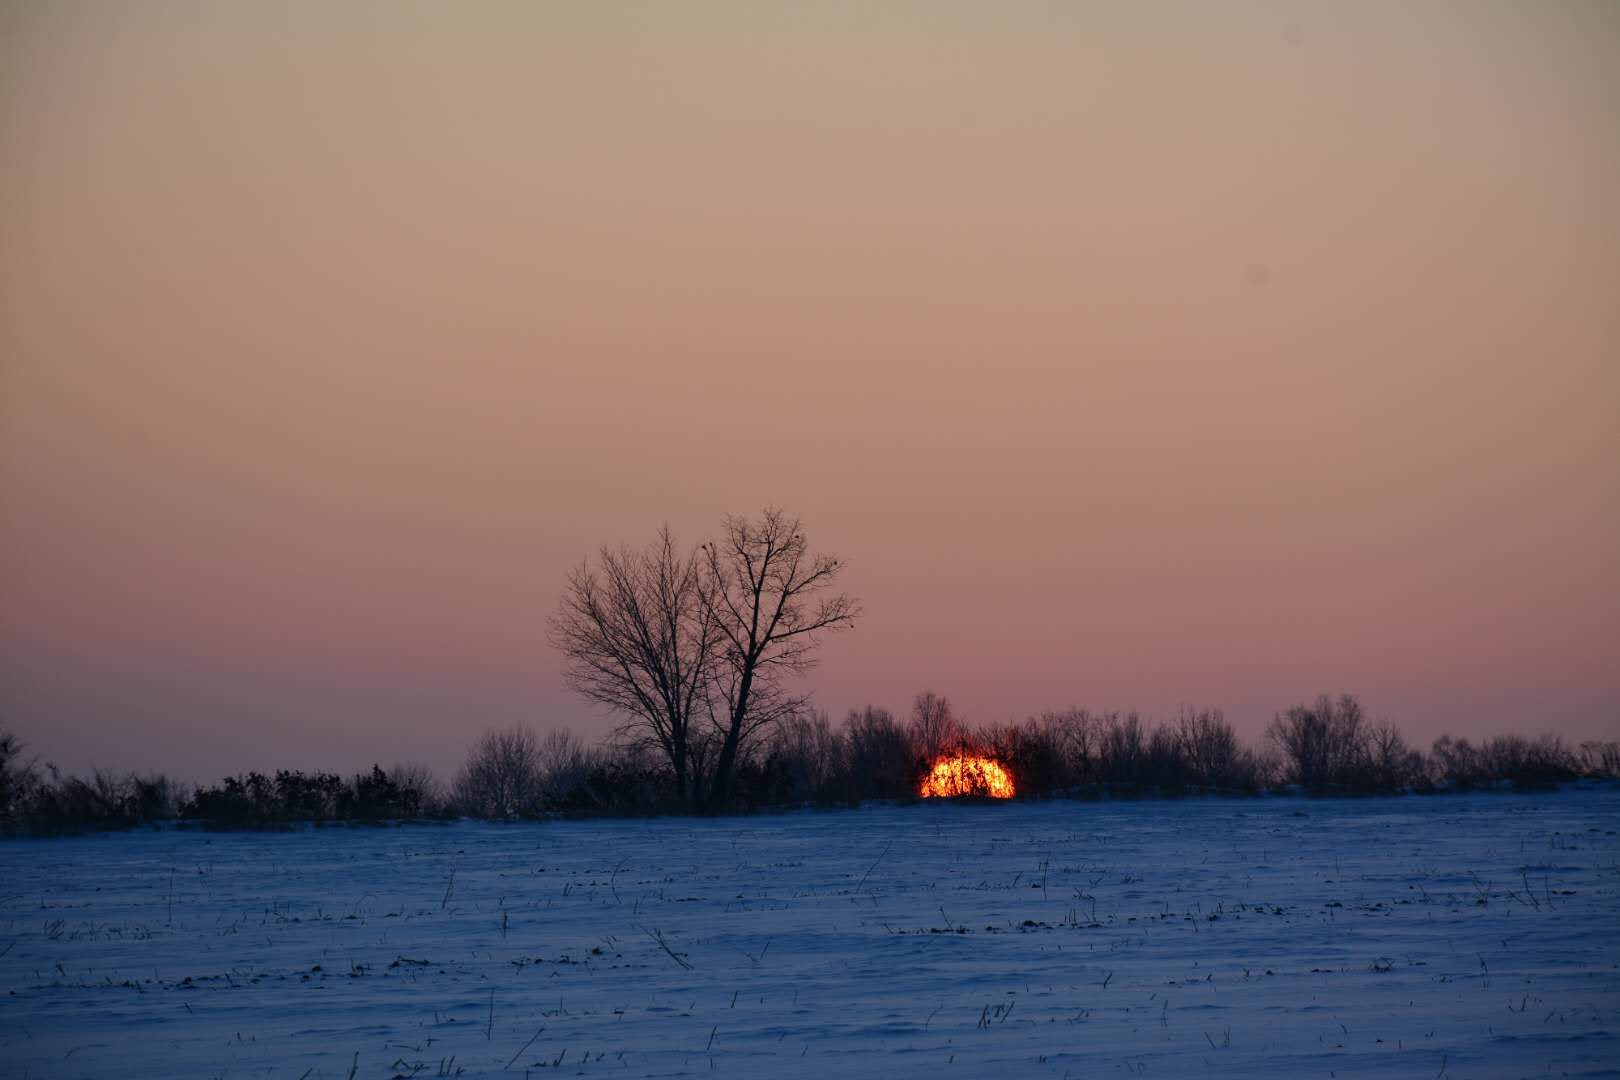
[1131, 355]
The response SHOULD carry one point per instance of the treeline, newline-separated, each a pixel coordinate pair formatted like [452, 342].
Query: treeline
[1328, 747]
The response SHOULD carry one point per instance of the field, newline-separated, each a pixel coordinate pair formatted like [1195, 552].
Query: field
[1451, 936]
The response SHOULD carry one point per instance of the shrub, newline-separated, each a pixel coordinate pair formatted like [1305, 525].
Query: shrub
[254, 799]
[1600, 759]
[420, 793]
[880, 759]
[805, 756]
[628, 779]
[17, 778]
[372, 796]
[1524, 763]
[565, 765]
[106, 800]
[1504, 759]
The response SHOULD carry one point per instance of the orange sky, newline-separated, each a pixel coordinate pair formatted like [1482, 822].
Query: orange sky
[1132, 355]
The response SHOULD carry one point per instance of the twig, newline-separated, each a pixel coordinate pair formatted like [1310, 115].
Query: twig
[613, 878]
[489, 1028]
[873, 867]
[524, 1047]
[1524, 873]
[658, 936]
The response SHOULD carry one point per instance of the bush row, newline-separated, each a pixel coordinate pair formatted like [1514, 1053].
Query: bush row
[1326, 747]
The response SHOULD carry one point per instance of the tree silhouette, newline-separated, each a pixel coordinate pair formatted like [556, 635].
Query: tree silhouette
[638, 637]
[769, 599]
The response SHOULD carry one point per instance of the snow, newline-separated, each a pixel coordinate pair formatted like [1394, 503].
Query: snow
[1449, 936]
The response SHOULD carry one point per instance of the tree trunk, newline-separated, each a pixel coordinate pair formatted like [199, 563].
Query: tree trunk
[678, 754]
[728, 749]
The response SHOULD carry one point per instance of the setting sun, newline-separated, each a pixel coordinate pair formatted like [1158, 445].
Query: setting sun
[967, 775]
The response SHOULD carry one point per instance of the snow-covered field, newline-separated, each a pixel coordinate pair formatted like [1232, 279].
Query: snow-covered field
[1426, 937]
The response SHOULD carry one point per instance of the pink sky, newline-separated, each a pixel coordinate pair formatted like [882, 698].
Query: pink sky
[1132, 355]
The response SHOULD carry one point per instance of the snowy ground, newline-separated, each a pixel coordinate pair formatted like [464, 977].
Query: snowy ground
[1427, 937]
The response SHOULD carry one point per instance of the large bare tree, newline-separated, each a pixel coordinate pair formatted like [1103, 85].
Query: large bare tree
[638, 637]
[769, 599]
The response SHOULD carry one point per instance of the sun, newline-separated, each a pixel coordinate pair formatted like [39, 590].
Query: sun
[967, 774]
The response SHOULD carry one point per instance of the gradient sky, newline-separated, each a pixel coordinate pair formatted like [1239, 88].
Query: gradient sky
[1132, 355]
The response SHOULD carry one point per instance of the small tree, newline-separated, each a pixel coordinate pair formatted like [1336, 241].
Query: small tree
[1324, 743]
[1456, 762]
[1123, 749]
[1078, 735]
[1208, 748]
[933, 725]
[501, 778]
[1391, 764]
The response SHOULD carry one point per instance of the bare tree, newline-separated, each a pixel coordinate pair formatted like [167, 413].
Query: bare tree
[1325, 743]
[880, 755]
[1123, 748]
[767, 595]
[501, 777]
[419, 790]
[1208, 745]
[933, 725]
[1456, 762]
[1391, 763]
[1077, 735]
[638, 637]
